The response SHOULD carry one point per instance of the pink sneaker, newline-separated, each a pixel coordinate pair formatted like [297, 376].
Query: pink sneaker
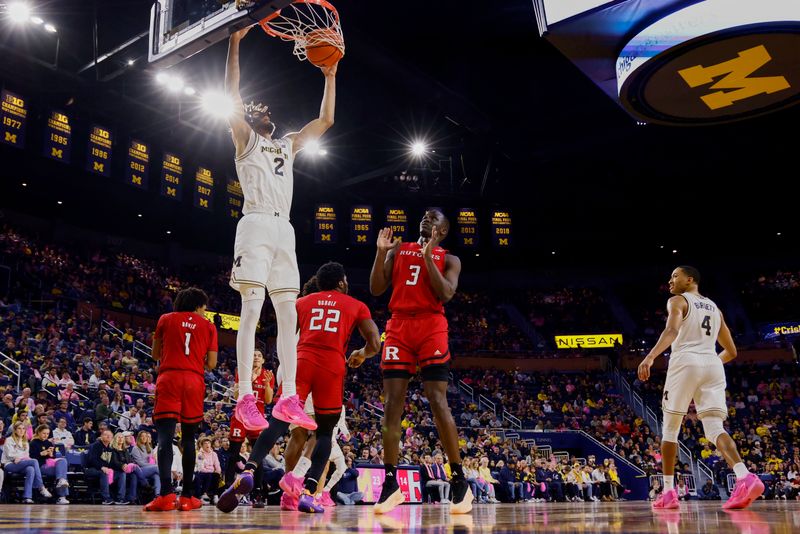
[325, 500]
[289, 410]
[745, 492]
[249, 415]
[668, 500]
[289, 502]
[291, 484]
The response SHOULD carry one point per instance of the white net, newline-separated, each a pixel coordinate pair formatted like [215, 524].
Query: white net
[307, 23]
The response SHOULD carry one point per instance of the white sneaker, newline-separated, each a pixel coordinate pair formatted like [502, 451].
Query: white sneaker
[46, 494]
[445, 501]
[62, 500]
[215, 500]
[205, 499]
[62, 483]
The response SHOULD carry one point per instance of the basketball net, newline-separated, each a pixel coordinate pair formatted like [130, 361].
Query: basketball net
[308, 23]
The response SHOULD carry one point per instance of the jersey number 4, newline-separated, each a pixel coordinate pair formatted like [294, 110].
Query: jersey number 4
[331, 320]
[707, 325]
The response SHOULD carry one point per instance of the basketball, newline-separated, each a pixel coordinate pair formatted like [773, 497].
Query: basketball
[321, 50]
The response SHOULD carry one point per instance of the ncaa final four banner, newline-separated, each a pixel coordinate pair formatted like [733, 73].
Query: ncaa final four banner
[14, 115]
[501, 228]
[138, 168]
[397, 220]
[204, 189]
[325, 224]
[361, 225]
[171, 176]
[467, 222]
[98, 157]
[235, 198]
[58, 137]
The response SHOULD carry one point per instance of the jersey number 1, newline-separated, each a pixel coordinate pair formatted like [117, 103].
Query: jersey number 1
[186, 345]
[707, 325]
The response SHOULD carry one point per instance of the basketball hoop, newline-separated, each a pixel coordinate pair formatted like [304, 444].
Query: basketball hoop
[309, 23]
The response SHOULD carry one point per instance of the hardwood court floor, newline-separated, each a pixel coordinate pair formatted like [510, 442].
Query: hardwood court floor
[626, 517]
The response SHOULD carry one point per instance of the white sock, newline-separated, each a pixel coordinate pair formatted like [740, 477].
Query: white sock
[669, 482]
[286, 314]
[341, 467]
[303, 464]
[740, 470]
[246, 344]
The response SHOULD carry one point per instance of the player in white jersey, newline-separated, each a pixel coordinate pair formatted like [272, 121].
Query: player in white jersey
[694, 326]
[264, 251]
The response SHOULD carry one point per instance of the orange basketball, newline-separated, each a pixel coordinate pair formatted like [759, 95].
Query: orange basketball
[321, 50]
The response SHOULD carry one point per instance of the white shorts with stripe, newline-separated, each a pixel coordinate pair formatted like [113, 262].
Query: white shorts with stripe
[695, 377]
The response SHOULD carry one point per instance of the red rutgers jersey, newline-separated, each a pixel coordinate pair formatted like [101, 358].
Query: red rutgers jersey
[259, 386]
[186, 338]
[327, 320]
[412, 293]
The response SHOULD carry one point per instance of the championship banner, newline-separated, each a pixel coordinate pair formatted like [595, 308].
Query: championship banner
[204, 189]
[501, 228]
[171, 176]
[14, 117]
[235, 198]
[397, 220]
[58, 137]
[589, 341]
[370, 481]
[138, 168]
[361, 226]
[778, 330]
[467, 222]
[227, 321]
[325, 224]
[98, 157]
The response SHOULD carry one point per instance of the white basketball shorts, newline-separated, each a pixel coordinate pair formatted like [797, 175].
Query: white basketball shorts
[264, 255]
[698, 377]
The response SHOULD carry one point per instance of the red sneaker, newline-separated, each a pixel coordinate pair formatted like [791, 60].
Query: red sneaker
[745, 492]
[189, 503]
[162, 503]
[668, 500]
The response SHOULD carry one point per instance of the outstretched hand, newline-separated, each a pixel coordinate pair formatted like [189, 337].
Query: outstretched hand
[330, 71]
[436, 238]
[386, 241]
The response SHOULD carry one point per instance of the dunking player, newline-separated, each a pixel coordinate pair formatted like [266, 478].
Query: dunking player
[263, 388]
[694, 326]
[424, 276]
[264, 251]
[326, 319]
[184, 343]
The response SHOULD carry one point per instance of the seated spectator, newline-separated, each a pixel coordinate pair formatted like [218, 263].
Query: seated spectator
[103, 464]
[68, 393]
[709, 492]
[486, 475]
[130, 420]
[436, 477]
[601, 485]
[17, 459]
[682, 489]
[479, 487]
[103, 411]
[122, 457]
[44, 451]
[274, 466]
[508, 478]
[655, 489]
[64, 412]
[207, 470]
[7, 409]
[143, 456]
[85, 436]
[347, 492]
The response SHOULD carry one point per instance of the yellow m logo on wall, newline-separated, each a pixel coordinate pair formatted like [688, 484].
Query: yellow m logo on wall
[11, 138]
[57, 153]
[737, 80]
[99, 167]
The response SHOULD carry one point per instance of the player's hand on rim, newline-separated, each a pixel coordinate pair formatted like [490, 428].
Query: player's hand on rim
[386, 241]
[241, 33]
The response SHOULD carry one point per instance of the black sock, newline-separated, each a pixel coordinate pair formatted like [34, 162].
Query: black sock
[391, 474]
[265, 442]
[457, 470]
[311, 485]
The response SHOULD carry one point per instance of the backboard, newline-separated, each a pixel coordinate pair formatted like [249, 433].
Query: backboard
[181, 28]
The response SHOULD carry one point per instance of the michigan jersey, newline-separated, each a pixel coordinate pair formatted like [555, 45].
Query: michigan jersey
[265, 172]
[699, 330]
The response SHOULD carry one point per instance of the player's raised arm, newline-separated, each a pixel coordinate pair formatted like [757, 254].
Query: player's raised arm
[725, 339]
[314, 129]
[369, 331]
[443, 284]
[677, 307]
[381, 275]
[240, 130]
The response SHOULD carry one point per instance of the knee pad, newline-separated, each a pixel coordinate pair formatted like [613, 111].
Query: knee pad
[671, 427]
[283, 296]
[252, 292]
[712, 427]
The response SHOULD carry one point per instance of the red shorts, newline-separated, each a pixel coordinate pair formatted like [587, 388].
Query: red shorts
[179, 395]
[238, 432]
[415, 342]
[326, 384]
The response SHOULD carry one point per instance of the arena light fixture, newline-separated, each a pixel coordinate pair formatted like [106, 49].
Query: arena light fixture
[323, 152]
[217, 104]
[37, 20]
[174, 83]
[162, 77]
[50, 28]
[418, 148]
[19, 12]
[314, 148]
[189, 91]
[131, 62]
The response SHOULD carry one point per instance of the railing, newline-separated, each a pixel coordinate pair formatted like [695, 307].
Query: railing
[467, 389]
[612, 453]
[487, 402]
[105, 326]
[376, 411]
[514, 421]
[142, 348]
[544, 452]
[561, 456]
[731, 482]
[9, 364]
[704, 473]
[691, 486]
[225, 391]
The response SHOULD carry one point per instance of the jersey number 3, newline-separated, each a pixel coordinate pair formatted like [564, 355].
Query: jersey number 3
[414, 275]
[331, 321]
[707, 325]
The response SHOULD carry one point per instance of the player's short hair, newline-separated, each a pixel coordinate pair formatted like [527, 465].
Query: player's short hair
[691, 272]
[189, 299]
[329, 275]
[310, 287]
